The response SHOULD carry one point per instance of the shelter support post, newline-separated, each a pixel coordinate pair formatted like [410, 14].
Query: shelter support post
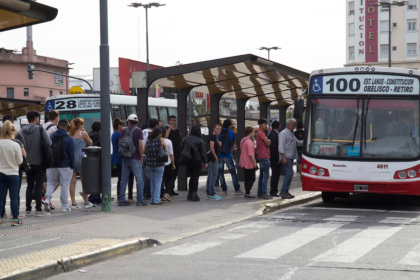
[264, 110]
[182, 97]
[214, 110]
[142, 106]
[282, 115]
[241, 103]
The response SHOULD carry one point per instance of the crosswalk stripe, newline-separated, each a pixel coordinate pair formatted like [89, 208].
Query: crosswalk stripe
[287, 244]
[397, 220]
[357, 246]
[189, 248]
[342, 218]
[412, 258]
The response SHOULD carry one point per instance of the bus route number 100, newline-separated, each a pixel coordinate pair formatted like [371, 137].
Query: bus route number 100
[342, 85]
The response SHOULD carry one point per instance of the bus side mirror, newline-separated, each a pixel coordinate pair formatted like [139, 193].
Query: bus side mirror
[299, 107]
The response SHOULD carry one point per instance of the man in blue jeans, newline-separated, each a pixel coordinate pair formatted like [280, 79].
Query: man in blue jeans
[133, 164]
[213, 164]
[263, 155]
[288, 150]
[227, 137]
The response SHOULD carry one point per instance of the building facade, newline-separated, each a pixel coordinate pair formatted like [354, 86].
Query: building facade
[368, 34]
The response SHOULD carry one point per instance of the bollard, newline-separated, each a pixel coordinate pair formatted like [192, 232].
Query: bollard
[91, 168]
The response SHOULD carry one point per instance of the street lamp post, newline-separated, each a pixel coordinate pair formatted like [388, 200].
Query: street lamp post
[68, 73]
[388, 5]
[269, 49]
[146, 7]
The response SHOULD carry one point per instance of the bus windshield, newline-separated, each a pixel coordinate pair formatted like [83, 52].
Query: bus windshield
[390, 128]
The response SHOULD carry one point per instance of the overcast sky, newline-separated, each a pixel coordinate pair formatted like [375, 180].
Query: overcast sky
[311, 33]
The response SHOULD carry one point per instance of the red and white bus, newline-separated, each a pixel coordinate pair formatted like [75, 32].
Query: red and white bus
[362, 132]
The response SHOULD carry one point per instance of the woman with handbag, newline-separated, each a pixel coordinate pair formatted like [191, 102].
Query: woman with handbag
[247, 160]
[155, 164]
[198, 155]
[11, 156]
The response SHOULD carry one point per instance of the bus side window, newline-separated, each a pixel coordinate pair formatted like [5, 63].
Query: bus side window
[116, 113]
[163, 114]
[173, 112]
[123, 112]
[153, 113]
[131, 110]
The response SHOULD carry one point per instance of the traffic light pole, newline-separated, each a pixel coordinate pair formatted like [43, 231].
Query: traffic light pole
[31, 75]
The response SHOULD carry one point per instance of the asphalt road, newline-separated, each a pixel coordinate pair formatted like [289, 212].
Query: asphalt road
[358, 238]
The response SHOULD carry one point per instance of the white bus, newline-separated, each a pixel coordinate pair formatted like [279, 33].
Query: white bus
[362, 132]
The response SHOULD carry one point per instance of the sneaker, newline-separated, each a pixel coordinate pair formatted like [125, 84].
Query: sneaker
[89, 205]
[215, 197]
[143, 203]
[208, 197]
[159, 203]
[225, 193]
[249, 196]
[239, 192]
[167, 197]
[46, 204]
[266, 196]
[28, 213]
[16, 222]
[75, 206]
[42, 213]
[291, 196]
[124, 203]
[52, 207]
[65, 209]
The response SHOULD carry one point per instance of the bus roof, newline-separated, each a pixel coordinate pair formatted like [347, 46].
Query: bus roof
[367, 69]
[121, 99]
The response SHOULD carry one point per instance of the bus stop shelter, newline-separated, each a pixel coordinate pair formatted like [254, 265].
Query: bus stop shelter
[17, 108]
[244, 77]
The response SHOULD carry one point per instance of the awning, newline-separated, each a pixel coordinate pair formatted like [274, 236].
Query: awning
[15, 14]
[17, 108]
[239, 77]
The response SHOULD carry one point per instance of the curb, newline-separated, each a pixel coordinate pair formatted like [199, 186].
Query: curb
[271, 207]
[77, 261]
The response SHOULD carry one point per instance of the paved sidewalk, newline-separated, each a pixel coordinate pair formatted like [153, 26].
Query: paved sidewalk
[67, 234]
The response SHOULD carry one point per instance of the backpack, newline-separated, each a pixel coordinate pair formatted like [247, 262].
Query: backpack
[226, 143]
[47, 155]
[126, 148]
[57, 149]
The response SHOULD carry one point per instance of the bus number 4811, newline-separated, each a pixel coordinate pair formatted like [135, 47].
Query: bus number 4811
[382, 166]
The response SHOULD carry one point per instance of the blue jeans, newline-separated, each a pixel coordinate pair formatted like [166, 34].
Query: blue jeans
[10, 182]
[288, 176]
[155, 177]
[211, 178]
[230, 165]
[134, 166]
[264, 174]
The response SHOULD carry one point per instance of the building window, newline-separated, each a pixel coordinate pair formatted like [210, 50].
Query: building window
[58, 79]
[351, 29]
[26, 92]
[351, 8]
[411, 49]
[384, 26]
[412, 5]
[351, 52]
[384, 51]
[61, 92]
[51, 94]
[11, 93]
[411, 25]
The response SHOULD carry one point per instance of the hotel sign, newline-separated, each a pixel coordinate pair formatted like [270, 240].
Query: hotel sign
[367, 31]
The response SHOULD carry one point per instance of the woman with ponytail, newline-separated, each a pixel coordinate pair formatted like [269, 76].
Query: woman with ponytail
[81, 139]
[154, 166]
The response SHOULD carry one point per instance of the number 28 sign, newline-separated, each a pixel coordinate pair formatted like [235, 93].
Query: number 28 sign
[73, 104]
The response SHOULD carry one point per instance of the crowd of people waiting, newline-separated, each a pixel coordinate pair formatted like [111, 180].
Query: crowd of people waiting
[51, 156]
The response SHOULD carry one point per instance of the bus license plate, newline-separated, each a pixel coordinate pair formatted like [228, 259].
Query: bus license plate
[361, 188]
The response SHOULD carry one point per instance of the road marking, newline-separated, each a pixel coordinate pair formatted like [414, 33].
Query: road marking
[412, 258]
[357, 246]
[289, 216]
[14, 240]
[48, 240]
[282, 246]
[343, 209]
[189, 248]
[342, 218]
[397, 220]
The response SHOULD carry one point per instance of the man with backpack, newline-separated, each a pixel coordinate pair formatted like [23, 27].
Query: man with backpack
[227, 138]
[64, 154]
[34, 136]
[130, 149]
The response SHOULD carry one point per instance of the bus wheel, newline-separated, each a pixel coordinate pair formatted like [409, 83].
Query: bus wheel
[328, 197]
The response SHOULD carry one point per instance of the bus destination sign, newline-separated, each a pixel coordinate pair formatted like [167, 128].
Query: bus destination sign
[73, 104]
[365, 84]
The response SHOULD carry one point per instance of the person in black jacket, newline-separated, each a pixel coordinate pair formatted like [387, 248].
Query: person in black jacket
[198, 156]
[275, 159]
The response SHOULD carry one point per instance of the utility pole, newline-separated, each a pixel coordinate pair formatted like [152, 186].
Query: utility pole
[269, 49]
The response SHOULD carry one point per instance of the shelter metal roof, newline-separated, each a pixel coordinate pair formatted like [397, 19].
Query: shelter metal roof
[17, 108]
[239, 77]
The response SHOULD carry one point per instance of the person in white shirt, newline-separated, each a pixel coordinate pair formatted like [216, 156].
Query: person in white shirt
[11, 156]
[169, 168]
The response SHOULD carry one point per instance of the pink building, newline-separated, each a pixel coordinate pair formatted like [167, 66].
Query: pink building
[14, 81]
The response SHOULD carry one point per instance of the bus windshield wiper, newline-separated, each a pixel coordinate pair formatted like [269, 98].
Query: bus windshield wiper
[367, 111]
[357, 123]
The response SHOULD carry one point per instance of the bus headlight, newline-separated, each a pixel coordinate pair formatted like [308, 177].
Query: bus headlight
[402, 174]
[412, 173]
[312, 170]
[321, 172]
